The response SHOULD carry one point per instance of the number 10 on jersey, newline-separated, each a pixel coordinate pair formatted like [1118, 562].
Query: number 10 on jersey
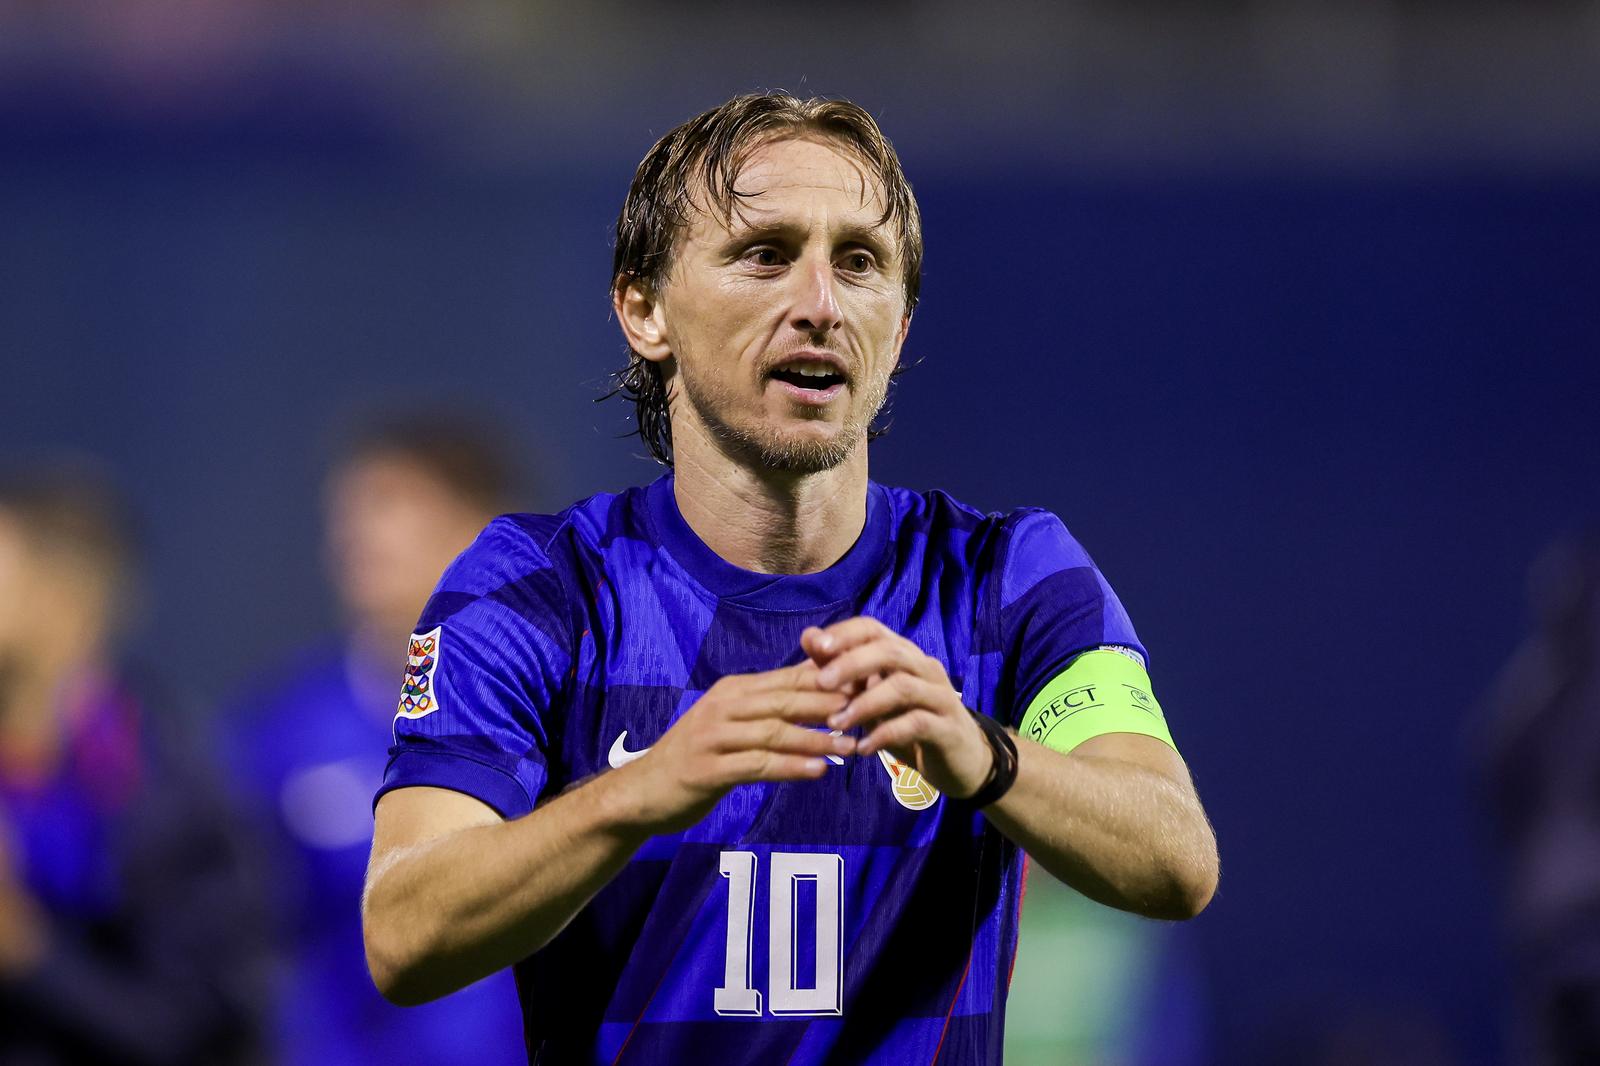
[788, 869]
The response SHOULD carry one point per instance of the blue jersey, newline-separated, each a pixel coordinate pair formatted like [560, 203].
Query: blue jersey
[859, 918]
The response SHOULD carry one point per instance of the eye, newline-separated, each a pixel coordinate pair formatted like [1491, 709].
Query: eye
[763, 255]
[857, 262]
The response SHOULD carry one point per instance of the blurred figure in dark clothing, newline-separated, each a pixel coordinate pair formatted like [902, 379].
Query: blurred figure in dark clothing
[1543, 780]
[124, 915]
[309, 746]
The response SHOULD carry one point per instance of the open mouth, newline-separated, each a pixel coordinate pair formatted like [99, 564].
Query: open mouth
[816, 379]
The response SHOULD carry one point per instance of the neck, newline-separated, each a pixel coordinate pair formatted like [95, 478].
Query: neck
[770, 521]
[376, 641]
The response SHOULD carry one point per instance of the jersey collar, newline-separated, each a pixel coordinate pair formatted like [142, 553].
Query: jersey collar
[844, 580]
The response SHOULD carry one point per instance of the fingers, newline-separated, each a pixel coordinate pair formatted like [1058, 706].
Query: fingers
[899, 732]
[790, 692]
[897, 692]
[747, 766]
[951, 752]
[881, 656]
[778, 736]
[852, 653]
[860, 672]
[823, 644]
[789, 705]
[801, 676]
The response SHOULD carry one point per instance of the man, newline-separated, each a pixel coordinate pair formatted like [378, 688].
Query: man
[126, 904]
[1539, 761]
[698, 758]
[307, 748]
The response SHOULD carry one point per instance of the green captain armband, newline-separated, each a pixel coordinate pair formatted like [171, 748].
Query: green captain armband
[1101, 691]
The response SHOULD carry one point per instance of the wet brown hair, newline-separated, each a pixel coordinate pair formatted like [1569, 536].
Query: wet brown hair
[703, 158]
[460, 451]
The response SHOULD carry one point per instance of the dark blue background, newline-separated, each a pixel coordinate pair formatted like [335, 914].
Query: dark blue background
[1313, 428]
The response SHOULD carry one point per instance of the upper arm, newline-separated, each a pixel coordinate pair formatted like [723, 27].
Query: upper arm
[406, 817]
[1140, 750]
[1078, 677]
[1054, 604]
[486, 677]
[406, 823]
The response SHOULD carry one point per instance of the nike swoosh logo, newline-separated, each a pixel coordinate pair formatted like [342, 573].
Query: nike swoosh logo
[619, 755]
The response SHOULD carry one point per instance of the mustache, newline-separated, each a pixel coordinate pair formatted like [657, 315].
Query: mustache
[841, 361]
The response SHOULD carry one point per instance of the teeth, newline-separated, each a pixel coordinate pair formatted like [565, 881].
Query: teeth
[812, 371]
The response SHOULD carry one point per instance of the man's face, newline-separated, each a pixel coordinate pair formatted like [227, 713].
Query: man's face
[56, 604]
[19, 585]
[786, 320]
[392, 528]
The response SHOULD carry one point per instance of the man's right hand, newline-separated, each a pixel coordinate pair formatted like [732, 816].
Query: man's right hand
[454, 893]
[746, 728]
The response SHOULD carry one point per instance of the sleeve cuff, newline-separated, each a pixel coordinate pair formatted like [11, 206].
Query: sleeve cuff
[458, 773]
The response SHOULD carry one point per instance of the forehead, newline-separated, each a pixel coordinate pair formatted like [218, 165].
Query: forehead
[13, 544]
[376, 470]
[800, 173]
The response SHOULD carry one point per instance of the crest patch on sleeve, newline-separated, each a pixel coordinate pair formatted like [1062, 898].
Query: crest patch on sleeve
[417, 695]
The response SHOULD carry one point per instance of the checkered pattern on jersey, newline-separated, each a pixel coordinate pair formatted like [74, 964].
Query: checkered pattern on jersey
[567, 638]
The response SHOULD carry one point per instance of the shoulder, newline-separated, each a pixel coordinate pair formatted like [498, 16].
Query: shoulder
[1028, 541]
[529, 570]
[1037, 546]
[514, 547]
[934, 516]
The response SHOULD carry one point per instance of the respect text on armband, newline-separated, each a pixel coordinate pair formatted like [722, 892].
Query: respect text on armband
[1062, 707]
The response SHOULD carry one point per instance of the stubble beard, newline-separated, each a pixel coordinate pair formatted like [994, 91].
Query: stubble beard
[773, 449]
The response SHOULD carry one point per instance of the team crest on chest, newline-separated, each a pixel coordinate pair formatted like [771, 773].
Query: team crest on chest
[910, 788]
[417, 696]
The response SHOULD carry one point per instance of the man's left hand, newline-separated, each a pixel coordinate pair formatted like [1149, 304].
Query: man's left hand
[905, 700]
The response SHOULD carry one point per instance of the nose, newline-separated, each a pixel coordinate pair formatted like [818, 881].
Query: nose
[816, 305]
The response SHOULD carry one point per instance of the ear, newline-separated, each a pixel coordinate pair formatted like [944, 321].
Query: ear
[900, 337]
[642, 318]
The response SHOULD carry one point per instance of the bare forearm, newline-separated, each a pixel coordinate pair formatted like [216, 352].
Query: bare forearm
[1117, 819]
[1118, 832]
[454, 894]
[443, 913]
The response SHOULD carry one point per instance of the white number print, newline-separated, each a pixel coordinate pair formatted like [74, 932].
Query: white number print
[736, 996]
[788, 996]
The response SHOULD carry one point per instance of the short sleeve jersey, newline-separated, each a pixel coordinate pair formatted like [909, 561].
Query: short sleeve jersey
[858, 918]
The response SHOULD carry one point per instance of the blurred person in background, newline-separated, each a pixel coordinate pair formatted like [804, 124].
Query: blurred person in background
[1542, 782]
[125, 921]
[309, 744]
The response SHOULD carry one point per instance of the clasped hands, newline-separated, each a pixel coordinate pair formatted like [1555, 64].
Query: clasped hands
[904, 701]
[773, 726]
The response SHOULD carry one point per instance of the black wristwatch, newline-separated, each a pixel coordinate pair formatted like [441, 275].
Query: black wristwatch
[1003, 774]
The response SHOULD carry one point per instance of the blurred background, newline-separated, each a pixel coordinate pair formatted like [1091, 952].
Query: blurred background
[1289, 309]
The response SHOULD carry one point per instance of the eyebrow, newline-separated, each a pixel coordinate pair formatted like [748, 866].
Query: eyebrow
[876, 236]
